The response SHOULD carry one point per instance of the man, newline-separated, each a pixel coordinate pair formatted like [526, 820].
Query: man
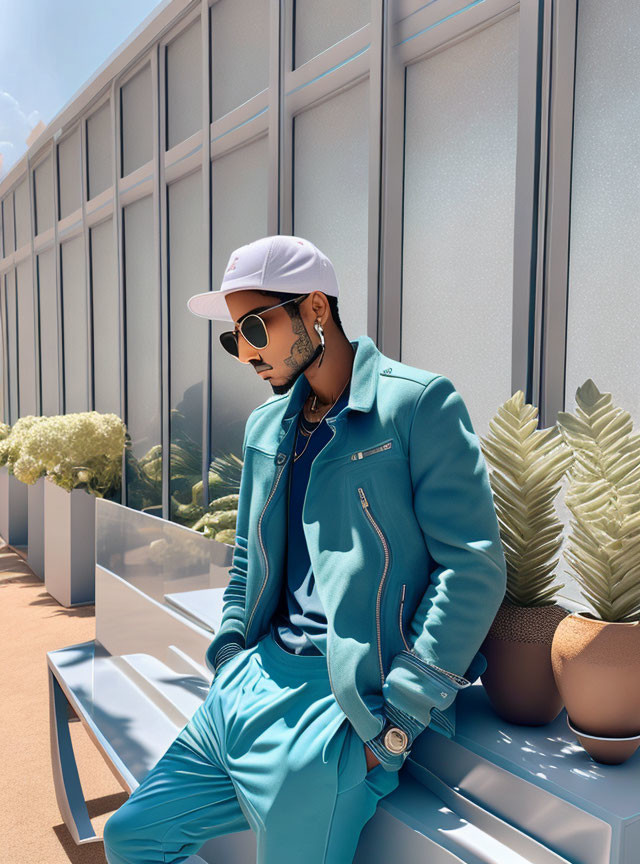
[366, 573]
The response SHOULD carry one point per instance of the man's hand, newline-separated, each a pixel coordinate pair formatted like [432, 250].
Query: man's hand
[372, 760]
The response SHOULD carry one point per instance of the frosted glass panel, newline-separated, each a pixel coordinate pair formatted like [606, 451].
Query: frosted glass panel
[23, 217]
[26, 339]
[603, 318]
[187, 275]
[137, 121]
[43, 178]
[69, 172]
[74, 326]
[99, 151]
[48, 312]
[12, 345]
[239, 191]
[106, 319]
[3, 315]
[319, 25]
[142, 309]
[184, 86]
[239, 53]
[331, 200]
[460, 160]
[9, 226]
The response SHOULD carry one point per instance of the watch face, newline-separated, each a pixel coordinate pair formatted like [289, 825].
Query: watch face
[396, 740]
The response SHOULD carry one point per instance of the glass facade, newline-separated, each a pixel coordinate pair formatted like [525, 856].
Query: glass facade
[411, 147]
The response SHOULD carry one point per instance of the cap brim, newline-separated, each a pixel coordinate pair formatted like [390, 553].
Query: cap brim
[211, 304]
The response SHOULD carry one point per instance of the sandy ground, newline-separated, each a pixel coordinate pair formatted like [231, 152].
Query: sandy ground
[32, 623]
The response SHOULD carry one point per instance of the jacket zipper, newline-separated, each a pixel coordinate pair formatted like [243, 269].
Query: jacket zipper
[400, 618]
[360, 454]
[266, 560]
[367, 510]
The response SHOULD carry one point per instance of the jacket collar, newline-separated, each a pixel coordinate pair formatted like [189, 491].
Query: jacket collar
[364, 381]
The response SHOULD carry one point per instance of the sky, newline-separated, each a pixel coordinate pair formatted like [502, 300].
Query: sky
[48, 50]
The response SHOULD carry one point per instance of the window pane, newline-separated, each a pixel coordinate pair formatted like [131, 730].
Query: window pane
[26, 339]
[459, 191]
[69, 173]
[137, 121]
[318, 26]
[331, 199]
[188, 352]
[43, 179]
[9, 227]
[605, 189]
[99, 151]
[12, 340]
[106, 319]
[239, 53]
[3, 315]
[48, 312]
[184, 86]
[239, 189]
[74, 326]
[23, 217]
[142, 305]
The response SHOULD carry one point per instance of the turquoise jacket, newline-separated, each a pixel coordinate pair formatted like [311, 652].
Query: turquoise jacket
[402, 535]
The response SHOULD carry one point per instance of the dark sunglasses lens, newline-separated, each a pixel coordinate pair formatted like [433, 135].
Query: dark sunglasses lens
[229, 342]
[254, 331]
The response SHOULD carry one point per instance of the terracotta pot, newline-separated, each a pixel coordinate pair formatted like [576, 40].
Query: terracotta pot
[596, 665]
[519, 678]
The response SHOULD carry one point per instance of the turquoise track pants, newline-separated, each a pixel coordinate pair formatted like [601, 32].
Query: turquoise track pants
[269, 749]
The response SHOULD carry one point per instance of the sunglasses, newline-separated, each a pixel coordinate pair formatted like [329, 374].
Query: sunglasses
[253, 329]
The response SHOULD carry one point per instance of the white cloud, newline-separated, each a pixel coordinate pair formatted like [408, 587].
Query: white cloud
[15, 127]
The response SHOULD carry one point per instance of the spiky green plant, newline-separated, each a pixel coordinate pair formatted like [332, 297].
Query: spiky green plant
[527, 466]
[604, 498]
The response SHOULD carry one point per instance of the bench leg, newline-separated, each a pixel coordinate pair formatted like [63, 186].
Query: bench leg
[69, 795]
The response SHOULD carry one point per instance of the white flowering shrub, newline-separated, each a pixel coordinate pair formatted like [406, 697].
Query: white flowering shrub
[11, 438]
[78, 450]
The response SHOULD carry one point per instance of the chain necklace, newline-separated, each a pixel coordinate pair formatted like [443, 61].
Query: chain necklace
[309, 432]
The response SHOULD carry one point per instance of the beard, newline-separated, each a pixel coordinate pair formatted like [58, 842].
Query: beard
[291, 380]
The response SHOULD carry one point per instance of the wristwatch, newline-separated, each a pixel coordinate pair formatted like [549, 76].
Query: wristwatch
[395, 740]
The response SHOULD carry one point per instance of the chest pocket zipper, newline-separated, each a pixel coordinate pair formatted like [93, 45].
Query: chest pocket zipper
[360, 454]
[400, 613]
[385, 545]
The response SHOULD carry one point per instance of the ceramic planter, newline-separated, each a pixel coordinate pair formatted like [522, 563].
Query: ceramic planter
[69, 545]
[519, 679]
[596, 665]
[35, 550]
[13, 509]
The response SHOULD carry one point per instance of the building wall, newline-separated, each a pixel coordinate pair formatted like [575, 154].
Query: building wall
[470, 168]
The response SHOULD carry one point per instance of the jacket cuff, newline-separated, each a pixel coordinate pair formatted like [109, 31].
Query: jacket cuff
[414, 687]
[228, 635]
[229, 650]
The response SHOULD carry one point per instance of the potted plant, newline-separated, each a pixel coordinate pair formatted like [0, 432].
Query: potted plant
[13, 495]
[81, 456]
[527, 465]
[596, 655]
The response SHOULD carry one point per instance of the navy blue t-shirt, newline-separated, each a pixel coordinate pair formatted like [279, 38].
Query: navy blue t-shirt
[299, 624]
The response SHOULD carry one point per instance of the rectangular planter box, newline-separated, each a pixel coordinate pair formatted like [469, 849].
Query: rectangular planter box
[13, 509]
[69, 545]
[35, 550]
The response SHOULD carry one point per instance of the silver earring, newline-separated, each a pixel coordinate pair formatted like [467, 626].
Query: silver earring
[318, 328]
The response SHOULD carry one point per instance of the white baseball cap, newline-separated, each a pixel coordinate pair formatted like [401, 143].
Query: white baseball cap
[281, 262]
